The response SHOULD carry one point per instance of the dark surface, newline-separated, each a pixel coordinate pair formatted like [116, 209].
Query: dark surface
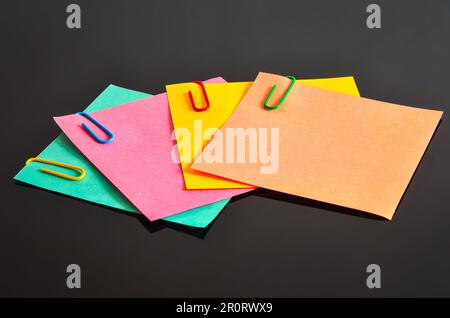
[263, 244]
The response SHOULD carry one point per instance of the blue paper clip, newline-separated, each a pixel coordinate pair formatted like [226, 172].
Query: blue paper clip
[93, 135]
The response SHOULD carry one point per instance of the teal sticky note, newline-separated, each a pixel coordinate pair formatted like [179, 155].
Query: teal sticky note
[94, 187]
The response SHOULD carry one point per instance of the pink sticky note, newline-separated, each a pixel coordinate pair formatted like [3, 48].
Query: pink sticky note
[139, 162]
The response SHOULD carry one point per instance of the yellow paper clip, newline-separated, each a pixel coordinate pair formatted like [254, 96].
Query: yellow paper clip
[59, 164]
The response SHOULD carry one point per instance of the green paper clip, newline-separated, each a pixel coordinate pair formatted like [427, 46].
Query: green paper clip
[292, 78]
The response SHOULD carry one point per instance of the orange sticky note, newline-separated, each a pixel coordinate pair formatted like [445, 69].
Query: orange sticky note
[193, 129]
[332, 147]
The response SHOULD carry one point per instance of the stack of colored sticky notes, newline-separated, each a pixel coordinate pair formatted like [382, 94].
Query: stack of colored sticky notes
[182, 155]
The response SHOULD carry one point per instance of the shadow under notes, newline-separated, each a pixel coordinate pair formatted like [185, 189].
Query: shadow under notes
[152, 227]
[317, 204]
[280, 196]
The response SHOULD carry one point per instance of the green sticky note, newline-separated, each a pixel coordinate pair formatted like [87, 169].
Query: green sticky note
[94, 187]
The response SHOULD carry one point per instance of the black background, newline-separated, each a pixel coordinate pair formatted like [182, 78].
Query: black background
[263, 244]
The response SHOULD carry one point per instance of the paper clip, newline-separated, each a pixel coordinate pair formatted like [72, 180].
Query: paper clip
[204, 94]
[59, 164]
[292, 78]
[90, 132]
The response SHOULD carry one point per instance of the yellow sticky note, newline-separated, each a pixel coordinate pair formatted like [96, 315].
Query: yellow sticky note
[194, 129]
